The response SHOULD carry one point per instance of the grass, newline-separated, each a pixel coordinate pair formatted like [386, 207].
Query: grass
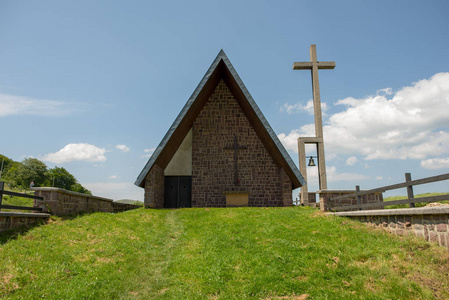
[419, 204]
[254, 253]
[17, 201]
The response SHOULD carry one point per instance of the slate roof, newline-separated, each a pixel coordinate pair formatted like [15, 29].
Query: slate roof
[221, 68]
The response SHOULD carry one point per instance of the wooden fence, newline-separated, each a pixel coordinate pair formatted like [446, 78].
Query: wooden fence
[4, 192]
[411, 200]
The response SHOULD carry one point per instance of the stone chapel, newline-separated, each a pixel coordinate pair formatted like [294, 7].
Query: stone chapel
[220, 151]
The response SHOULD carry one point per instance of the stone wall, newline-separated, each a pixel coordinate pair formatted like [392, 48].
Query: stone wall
[213, 165]
[429, 223]
[12, 220]
[61, 202]
[154, 188]
[326, 203]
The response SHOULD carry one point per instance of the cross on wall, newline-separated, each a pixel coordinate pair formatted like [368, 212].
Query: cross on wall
[236, 147]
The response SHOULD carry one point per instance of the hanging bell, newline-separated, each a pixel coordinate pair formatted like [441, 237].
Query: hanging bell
[311, 162]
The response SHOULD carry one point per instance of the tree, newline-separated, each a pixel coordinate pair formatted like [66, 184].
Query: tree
[80, 189]
[31, 169]
[61, 178]
[7, 164]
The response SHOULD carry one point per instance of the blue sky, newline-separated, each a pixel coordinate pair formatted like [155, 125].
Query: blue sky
[93, 86]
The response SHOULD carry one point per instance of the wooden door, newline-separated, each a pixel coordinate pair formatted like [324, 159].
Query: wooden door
[178, 191]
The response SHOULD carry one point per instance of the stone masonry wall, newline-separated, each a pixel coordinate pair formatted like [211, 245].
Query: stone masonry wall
[326, 203]
[154, 188]
[62, 202]
[431, 224]
[213, 166]
[12, 220]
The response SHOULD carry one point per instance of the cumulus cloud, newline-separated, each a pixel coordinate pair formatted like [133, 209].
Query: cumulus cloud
[334, 176]
[298, 107]
[77, 152]
[115, 190]
[351, 161]
[148, 152]
[123, 148]
[11, 105]
[435, 163]
[412, 123]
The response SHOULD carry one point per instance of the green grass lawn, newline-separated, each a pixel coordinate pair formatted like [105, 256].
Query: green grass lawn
[231, 253]
[420, 204]
[17, 201]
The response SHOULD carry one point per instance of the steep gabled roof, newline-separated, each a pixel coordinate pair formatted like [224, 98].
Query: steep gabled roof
[221, 68]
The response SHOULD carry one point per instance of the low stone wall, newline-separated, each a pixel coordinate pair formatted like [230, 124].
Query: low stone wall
[11, 220]
[326, 195]
[62, 202]
[429, 223]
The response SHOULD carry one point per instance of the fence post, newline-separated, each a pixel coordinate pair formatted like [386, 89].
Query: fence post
[359, 199]
[2, 185]
[408, 178]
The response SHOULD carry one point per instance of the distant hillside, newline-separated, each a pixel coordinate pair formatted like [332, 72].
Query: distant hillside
[218, 253]
[130, 201]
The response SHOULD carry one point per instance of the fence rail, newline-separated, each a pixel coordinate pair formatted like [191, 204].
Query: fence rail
[4, 192]
[411, 200]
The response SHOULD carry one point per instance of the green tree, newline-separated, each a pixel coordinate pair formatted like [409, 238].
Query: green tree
[60, 178]
[7, 164]
[31, 169]
[80, 189]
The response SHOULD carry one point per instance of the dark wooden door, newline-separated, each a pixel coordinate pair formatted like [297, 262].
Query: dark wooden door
[178, 191]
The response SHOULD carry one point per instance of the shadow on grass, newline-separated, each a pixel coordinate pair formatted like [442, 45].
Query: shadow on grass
[15, 233]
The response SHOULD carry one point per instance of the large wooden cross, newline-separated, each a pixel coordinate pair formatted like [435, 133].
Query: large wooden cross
[314, 65]
[236, 147]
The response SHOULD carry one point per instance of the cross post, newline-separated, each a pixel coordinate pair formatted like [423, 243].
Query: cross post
[314, 65]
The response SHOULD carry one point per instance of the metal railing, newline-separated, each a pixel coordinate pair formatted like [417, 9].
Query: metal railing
[411, 200]
[5, 192]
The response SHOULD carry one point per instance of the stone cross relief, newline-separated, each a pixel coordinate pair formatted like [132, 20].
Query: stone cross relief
[236, 147]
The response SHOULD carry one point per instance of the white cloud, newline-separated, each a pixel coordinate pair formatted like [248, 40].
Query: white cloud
[386, 91]
[298, 107]
[115, 190]
[123, 148]
[435, 163]
[113, 177]
[379, 178]
[11, 105]
[148, 152]
[77, 152]
[412, 124]
[351, 161]
[333, 175]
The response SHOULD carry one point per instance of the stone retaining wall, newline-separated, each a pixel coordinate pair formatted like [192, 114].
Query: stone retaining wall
[326, 195]
[11, 220]
[429, 223]
[62, 202]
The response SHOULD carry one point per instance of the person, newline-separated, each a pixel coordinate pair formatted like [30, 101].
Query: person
[31, 184]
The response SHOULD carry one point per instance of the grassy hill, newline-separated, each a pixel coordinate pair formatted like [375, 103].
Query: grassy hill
[419, 204]
[130, 201]
[255, 253]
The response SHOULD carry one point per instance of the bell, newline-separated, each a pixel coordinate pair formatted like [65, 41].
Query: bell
[311, 162]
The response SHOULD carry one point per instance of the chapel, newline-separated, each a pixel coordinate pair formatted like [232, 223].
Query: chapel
[220, 151]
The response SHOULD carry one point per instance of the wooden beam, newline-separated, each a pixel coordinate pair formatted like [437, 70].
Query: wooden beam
[329, 65]
[397, 186]
[396, 202]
